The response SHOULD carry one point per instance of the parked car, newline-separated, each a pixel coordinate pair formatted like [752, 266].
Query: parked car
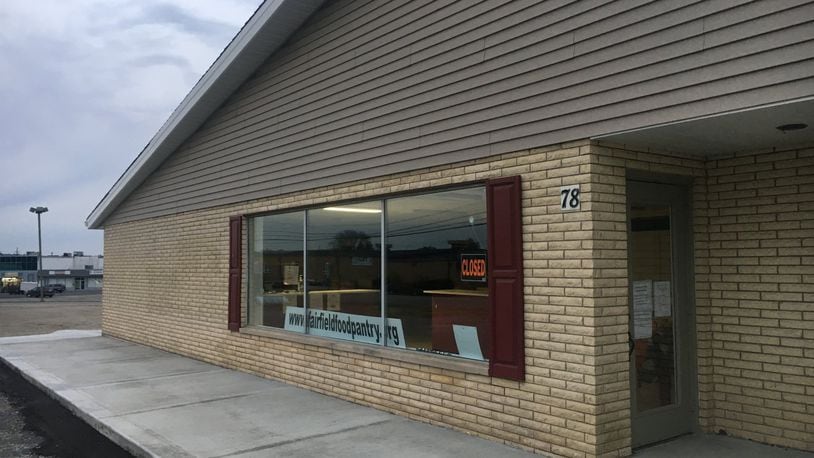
[58, 288]
[25, 287]
[21, 288]
[35, 292]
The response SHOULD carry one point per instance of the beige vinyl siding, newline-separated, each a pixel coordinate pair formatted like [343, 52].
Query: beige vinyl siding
[368, 88]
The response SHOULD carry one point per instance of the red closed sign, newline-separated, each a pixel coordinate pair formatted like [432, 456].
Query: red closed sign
[473, 267]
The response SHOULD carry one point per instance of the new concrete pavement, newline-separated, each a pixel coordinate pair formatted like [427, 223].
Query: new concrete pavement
[154, 403]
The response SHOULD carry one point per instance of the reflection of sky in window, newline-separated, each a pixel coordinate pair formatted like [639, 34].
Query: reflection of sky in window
[324, 225]
[433, 220]
[282, 232]
[413, 222]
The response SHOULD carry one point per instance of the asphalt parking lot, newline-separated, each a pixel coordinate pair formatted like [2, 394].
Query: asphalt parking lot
[22, 316]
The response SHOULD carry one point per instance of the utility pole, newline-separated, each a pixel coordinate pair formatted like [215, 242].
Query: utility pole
[39, 211]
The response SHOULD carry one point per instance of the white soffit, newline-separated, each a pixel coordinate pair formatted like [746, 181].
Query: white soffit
[270, 26]
[746, 130]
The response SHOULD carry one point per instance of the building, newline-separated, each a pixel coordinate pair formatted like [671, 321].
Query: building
[21, 266]
[571, 227]
[74, 270]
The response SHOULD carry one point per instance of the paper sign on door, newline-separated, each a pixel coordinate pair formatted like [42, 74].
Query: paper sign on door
[642, 309]
[662, 298]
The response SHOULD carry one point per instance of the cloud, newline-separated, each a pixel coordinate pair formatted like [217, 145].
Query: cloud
[173, 15]
[84, 85]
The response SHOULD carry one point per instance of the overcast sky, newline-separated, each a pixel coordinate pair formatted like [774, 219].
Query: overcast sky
[84, 85]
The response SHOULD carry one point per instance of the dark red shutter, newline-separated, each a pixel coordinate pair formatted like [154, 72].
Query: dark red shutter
[504, 223]
[235, 263]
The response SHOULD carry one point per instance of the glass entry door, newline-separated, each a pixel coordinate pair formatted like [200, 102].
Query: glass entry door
[661, 339]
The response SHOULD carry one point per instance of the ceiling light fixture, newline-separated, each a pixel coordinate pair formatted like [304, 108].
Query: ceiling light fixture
[352, 210]
[790, 127]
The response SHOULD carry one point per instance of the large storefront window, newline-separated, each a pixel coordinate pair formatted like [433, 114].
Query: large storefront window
[320, 272]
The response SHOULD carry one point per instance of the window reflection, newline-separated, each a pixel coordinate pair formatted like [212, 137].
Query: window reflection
[436, 272]
[651, 294]
[430, 238]
[344, 261]
[275, 267]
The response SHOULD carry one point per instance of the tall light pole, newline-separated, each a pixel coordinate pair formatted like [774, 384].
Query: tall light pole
[39, 211]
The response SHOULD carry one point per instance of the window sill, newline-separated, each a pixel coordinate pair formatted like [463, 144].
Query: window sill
[408, 356]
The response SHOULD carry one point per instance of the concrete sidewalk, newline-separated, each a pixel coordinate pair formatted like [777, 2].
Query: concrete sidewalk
[154, 403]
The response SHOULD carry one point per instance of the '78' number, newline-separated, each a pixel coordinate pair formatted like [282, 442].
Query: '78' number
[570, 197]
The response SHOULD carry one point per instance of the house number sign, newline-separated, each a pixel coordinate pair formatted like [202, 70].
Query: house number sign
[569, 198]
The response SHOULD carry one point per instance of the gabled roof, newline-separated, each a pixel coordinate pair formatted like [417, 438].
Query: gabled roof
[270, 26]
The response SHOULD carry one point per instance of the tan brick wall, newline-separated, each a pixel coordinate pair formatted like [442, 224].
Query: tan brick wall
[166, 286]
[755, 282]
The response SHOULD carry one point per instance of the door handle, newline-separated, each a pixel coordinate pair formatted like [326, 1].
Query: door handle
[631, 344]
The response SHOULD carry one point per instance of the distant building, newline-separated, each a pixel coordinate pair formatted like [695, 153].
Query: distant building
[74, 270]
[22, 266]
